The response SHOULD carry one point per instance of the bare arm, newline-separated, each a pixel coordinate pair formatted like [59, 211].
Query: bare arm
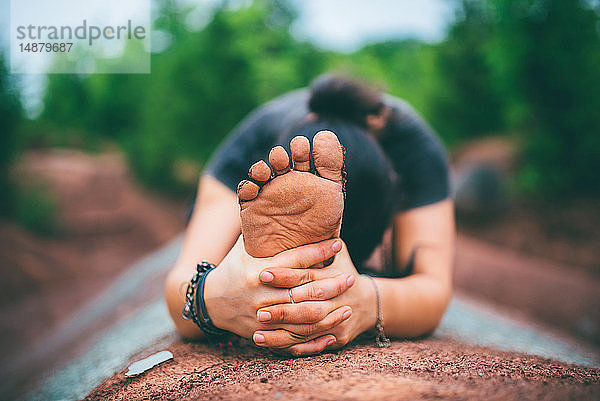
[211, 233]
[411, 306]
[233, 292]
[414, 305]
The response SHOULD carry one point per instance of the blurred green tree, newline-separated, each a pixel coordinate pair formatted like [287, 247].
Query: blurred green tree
[526, 66]
[547, 52]
[10, 117]
[468, 103]
[207, 81]
[65, 101]
[405, 68]
[114, 102]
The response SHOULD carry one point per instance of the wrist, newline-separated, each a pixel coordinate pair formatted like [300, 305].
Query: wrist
[214, 299]
[381, 340]
[368, 303]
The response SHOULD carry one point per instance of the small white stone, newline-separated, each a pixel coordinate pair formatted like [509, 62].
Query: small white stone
[147, 363]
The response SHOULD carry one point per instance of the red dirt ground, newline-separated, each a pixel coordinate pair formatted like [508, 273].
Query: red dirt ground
[110, 222]
[107, 222]
[412, 370]
[567, 231]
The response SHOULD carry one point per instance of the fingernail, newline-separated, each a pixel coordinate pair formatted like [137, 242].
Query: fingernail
[347, 314]
[264, 316]
[266, 277]
[336, 246]
[258, 338]
[350, 281]
[330, 341]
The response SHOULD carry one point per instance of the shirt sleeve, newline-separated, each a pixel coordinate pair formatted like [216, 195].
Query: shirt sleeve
[250, 141]
[243, 147]
[419, 159]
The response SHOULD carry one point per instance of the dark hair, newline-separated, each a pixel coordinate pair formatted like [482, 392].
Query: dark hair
[334, 96]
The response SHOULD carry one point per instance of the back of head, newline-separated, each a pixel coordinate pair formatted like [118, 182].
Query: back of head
[342, 98]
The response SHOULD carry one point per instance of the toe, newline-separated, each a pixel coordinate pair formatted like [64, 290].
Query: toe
[247, 190]
[328, 155]
[279, 160]
[300, 148]
[260, 171]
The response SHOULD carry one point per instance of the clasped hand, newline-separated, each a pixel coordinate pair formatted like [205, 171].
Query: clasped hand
[252, 297]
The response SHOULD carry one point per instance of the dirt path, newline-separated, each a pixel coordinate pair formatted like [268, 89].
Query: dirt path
[110, 222]
[536, 288]
[107, 223]
[149, 328]
[427, 369]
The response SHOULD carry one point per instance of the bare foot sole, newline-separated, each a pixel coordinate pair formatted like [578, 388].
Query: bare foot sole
[289, 205]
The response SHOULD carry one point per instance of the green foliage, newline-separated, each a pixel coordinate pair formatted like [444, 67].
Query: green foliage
[116, 112]
[66, 101]
[209, 80]
[526, 66]
[29, 206]
[200, 87]
[529, 66]
[550, 53]
[186, 112]
[406, 69]
[10, 119]
[468, 103]
[36, 210]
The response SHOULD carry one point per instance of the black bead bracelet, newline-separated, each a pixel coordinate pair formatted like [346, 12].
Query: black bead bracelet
[194, 307]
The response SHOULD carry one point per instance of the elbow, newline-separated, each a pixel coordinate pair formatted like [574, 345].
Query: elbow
[431, 312]
[439, 305]
[175, 298]
[191, 334]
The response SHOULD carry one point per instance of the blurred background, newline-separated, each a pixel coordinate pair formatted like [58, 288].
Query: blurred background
[96, 170]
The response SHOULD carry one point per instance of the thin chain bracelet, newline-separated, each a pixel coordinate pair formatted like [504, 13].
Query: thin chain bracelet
[380, 339]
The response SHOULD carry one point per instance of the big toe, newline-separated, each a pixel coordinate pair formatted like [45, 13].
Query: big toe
[328, 156]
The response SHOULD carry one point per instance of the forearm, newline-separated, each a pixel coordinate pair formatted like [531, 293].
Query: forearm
[179, 277]
[412, 306]
[175, 288]
[211, 233]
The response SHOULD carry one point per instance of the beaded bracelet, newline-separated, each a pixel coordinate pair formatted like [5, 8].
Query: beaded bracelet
[194, 307]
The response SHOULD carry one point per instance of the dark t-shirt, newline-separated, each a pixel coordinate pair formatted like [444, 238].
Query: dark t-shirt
[414, 157]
